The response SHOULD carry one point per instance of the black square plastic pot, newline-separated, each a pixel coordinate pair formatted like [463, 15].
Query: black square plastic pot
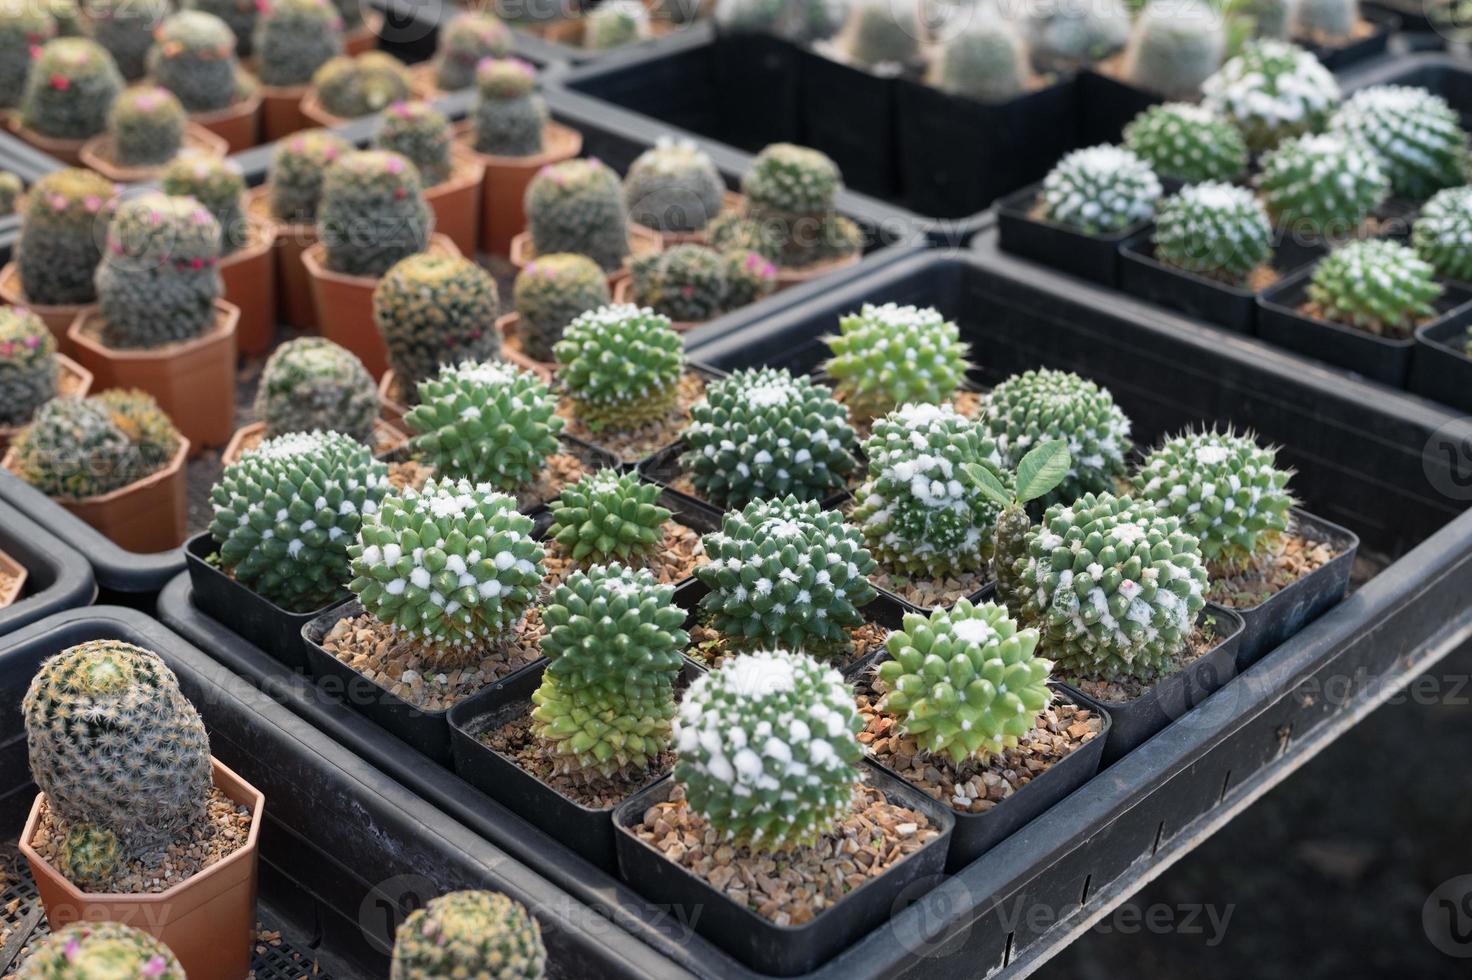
[1380, 359]
[1338, 56]
[763, 945]
[1135, 721]
[849, 114]
[1440, 370]
[1106, 105]
[57, 577]
[1091, 257]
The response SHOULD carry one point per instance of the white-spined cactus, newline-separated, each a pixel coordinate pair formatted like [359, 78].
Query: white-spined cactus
[1174, 47]
[1376, 285]
[608, 516]
[1322, 185]
[1272, 90]
[1100, 190]
[1188, 142]
[621, 366]
[1216, 230]
[1418, 136]
[887, 356]
[1442, 234]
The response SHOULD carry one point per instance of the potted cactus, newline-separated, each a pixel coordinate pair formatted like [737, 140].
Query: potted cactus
[361, 28]
[160, 324]
[1272, 91]
[241, 16]
[146, 129]
[70, 88]
[125, 28]
[1066, 36]
[1418, 137]
[452, 177]
[371, 215]
[691, 284]
[135, 821]
[24, 31]
[1442, 235]
[1174, 48]
[881, 37]
[87, 949]
[32, 371]
[349, 87]
[614, 24]
[986, 60]
[59, 247]
[674, 188]
[1187, 142]
[293, 38]
[466, 39]
[194, 56]
[472, 934]
[871, 379]
[608, 516]
[13, 577]
[546, 296]
[578, 206]
[513, 138]
[1321, 188]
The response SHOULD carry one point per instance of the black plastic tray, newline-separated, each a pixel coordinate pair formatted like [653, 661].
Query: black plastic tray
[57, 577]
[1440, 368]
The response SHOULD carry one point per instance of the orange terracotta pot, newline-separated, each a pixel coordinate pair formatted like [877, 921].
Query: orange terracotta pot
[13, 581]
[207, 921]
[386, 438]
[426, 81]
[249, 275]
[365, 36]
[58, 319]
[345, 305]
[787, 278]
[389, 405]
[316, 115]
[99, 151]
[455, 201]
[623, 292]
[75, 382]
[238, 124]
[503, 193]
[193, 381]
[511, 349]
[68, 151]
[281, 111]
[148, 516]
[294, 304]
[642, 241]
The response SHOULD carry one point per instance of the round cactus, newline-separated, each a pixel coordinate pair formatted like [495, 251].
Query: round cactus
[1100, 190]
[1174, 47]
[763, 433]
[750, 276]
[888, 356]
[1379, 286]
[615, 23]
[220, 187]
[353, 87]
[1325, 185]
[1272, 91]
[241, 16]
[95, 950]
[1066, 35]
[508, 117]
[372, 213]
[28, 368]
[965, 683]
[24, 30]
[1037, 406]
[1113, 584]
[881, 34]
[608, 516]
[468, 39]
[471, 934]
[59, 245]
[621, 366]
[310, 383]
[453, 567]
[147, 126]
[792, 179]
[767, 749]
[285, 514]
[789, 213]
[298, 166]
[1325, 21]
[193, 56]
[1226, 489]
[421, 134]
[551, 292]
[674, 187]
[294, 38]
[485, 422]
[70, 89]
[613, 645]
[1418, 136]
[89, 856]
[145, 775]
[1187, 142]
[75, 449]
[434, 310]
[1215, 230]
[1442, 234]
[987, 61]
[578, 206]
[686, 283]
[125, 29]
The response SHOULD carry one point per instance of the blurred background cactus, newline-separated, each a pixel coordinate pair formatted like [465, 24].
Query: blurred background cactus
[1376, 285]
[84, 950]
[578, 206]
[421, 134]
[881, 34]
[1066, 35]
[674, 187]
[1187, 142]
[1325, 185]
[469, 38]
[147, 126]
[789, 215]
[220, 187]
[294, 38]
[615, 23]
[11, 189]
[298, 167]
[372, 213]
[1442, 234]
[60, 244]
[1215, 230]
[28, 368]
[1418, 136]
[76, 448]
[470, 934]
[1271, 91]
[550, 293]
[70, 89]
[310, 383]
[508, 116]
[434, 310]
[1100, 190]
[193, 56]
[354, 87]
[1325, 21]
[24, 30]
[125, 28]
[693, 283]
[987, 60]
[241, 16]
[1174, 47]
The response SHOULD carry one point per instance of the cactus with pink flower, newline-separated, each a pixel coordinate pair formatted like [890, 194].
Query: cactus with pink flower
[372, 213]
[28, 367]
[70, 89]
[24, 28]
[58, 250]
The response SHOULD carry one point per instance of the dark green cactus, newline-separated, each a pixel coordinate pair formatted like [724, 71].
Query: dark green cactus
[686, 283]
[28, 366]
[1216, 230]
[1377, 285]
[372, 213]
[311, 383]
[70, 89]
[419, 133]
[578, 206]
[147, 126]
[551, 292]
[194, 57]
[674, 187]
[160, 278]
[1418, 136]
[293, 38]
[1272, 91]
[468, 39]
[1185, 141]
[241, 16]
[509, 116]
[354, 87]
[125, 28]
[220, 187]
[1325, 186]
[298, 167]
[66, 215]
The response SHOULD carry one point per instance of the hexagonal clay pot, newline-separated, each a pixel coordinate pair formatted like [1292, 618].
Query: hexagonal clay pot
[99, 153]
[237, 124]
[58, 319]
[503, 192]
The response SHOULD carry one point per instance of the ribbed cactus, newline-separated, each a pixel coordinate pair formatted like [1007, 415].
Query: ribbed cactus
[1271, 91]
[241, 16]
[987, 60]
[674, 187]
[508, 116]
[419, 133]
[686, 283]
[762, 433]
[371, 82]
[24, 30]
[99, 950]
[71, 87]
[310, 383]
[966, 683]
[434, 310]
[468, 39]
[145, 774]
[612, 645]
[485, 422]
[60, 240]
[1100, 190]
[1325, 21]
[285, 513]
[28, 366]
[1377, 285]
[1418, 136]
[881, 34]
[551, 292]
[89, 856]
[578, 206]
[298, 167]
[1066, 35]
[1187, 142]
[767, 749]
[372, 213]
[293, 38]
[220, 187]
[453, 567]
[76, 449]
[891, 355]
[147, 126]
[615, 23]
[160, 278]
[1323, 185]
[484, 935]
[608, 516]
[11, 189]
[1174, 47]
[620, 366]
[1442, 234]
[193, 56]
[125, 29]
[789, 217]
[1215, 230]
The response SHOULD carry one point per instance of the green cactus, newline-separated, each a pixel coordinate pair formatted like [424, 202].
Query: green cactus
[434, 310]
[1187, 142]
[60, 245]
[1325, 185]
[1039, 472]
[551, 292]
[1418, 136]
[966, 684]
[613, 645]
[578, 206]
[1215, 230]
[147, 126]
[888, 356]
[125, 28]
[1113, 584]
[371, 82]
[800, 21]
[788, 216]
[1442, 234]
[609, 516]
[468, 39]
[1272, 91]
[454, 567]
[70, 89]
[686, 283]
[298, 167]
[75, 449]
[28, 368]
[97, 950]
[220, 187]
[241, 16]
[767, 749]
[160, 278]
[880, 34]
[421, 134]
[24, 30]
[485, 422]
[372, 213]
[620, 366]
[11, 189]
[193, 56]
[89, 856]
[1325, 21]
[750, 276]
[1100, 190]
[508, 117]
[1174, 47]
[1379, 286]
[293, 38]
[674, 187]
[986, 61]
[615, 23]
[145, 775]
[310, 383]
[484, 935]
[791, 179]
[1067, 35]
[138, 417]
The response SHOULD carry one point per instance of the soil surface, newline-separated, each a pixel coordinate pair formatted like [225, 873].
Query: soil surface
[672, 561]
[710, 648]
[1129, 688]
[1297, 557]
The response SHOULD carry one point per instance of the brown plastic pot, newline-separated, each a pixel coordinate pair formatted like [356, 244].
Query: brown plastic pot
[345, 305]
[58, 319]
[68, 151]
[503, 191]
[795, 277]
[98, 153]
[249, 275]
[513, 353]
[75, 382]
[455, 201]
[238, 125]
[365, 36]
[193, 381]
[623, 292]
[148, 516]
[207, 920]
[294, 303]
[386, 438]
[14, 581]
[281, 111]
[642, 241]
